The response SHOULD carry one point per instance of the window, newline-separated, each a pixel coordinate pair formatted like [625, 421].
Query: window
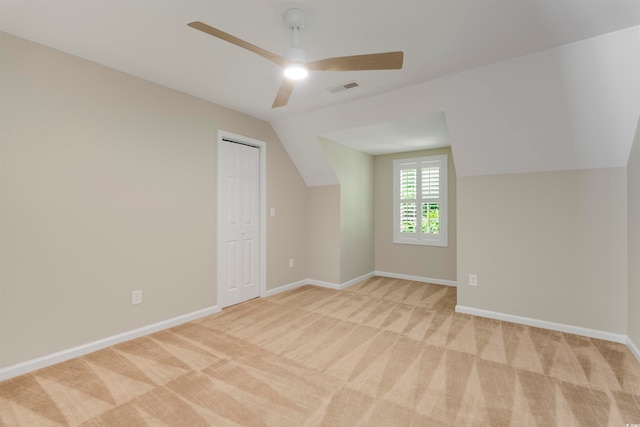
[420, 200]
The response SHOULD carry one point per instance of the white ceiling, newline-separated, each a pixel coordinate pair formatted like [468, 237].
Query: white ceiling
[442, 40]
[150, 39]
[395, 136]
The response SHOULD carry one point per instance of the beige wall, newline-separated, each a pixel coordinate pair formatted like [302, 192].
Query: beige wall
[323, 224]
[423, 261]
[548, 246]
[354, 170]
[633, 218]
[108, 184]
[287, 230]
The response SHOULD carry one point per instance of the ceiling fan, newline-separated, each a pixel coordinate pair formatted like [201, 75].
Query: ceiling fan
[294, 60]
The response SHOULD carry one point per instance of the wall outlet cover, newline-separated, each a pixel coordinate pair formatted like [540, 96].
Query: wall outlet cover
[136, 297]
[473, 280]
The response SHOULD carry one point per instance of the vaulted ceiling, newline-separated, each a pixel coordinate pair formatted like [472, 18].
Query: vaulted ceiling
[458, 55]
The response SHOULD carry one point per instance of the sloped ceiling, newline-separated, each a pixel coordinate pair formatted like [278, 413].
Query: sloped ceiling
[571, 107]
[449, 48]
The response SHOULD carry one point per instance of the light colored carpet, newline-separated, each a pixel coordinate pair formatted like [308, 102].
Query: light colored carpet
[384, 352]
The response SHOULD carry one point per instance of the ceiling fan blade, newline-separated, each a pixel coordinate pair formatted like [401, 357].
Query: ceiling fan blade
[277, 59]
[283, 93]
[374, 61]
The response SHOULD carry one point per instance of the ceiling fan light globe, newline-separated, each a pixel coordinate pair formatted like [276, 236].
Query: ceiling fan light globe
[296, 72]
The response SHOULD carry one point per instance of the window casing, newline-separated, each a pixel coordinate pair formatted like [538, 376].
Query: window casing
[420, 200]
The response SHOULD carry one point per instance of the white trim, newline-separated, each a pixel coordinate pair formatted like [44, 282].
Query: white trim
[61, 356]
[70, 353]
[262, 146]
[324, 284]
[357, 280]
[284, 288]
[341, 285]
[560, 327]
[319, 283]
[417, 278]
[303, 282]
[634, 349]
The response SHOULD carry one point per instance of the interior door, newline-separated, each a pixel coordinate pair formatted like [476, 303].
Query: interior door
[239, 223]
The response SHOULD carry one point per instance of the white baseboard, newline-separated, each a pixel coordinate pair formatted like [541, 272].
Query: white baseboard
[341, 285]
[560, 327]
[61, 356]
[323, 284]
[417, 278]
[634, 349]
[351, 282]
[357, 280]
[283, 288]
[299, 283]
[320, 283]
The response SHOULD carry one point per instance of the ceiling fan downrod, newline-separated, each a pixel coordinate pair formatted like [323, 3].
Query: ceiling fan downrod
[294, 19]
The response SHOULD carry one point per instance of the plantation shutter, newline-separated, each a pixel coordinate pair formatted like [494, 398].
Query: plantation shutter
[419, 186]
[431, 182]
[408, 193]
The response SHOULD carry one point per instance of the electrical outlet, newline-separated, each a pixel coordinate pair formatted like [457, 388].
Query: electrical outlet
[290, 262]
[136, 297]
[473, 280]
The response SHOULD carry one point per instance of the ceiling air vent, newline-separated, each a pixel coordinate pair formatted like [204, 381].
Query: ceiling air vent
[345, 86]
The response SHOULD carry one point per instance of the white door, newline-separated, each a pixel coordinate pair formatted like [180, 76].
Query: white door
[239, 208]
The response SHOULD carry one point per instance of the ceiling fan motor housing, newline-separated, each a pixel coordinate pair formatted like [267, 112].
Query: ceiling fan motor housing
[296, 54]
[294, 19]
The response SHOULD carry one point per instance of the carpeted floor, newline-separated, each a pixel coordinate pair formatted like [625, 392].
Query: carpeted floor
[384, 352]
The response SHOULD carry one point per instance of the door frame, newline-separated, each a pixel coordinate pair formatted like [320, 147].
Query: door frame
[262, 209]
